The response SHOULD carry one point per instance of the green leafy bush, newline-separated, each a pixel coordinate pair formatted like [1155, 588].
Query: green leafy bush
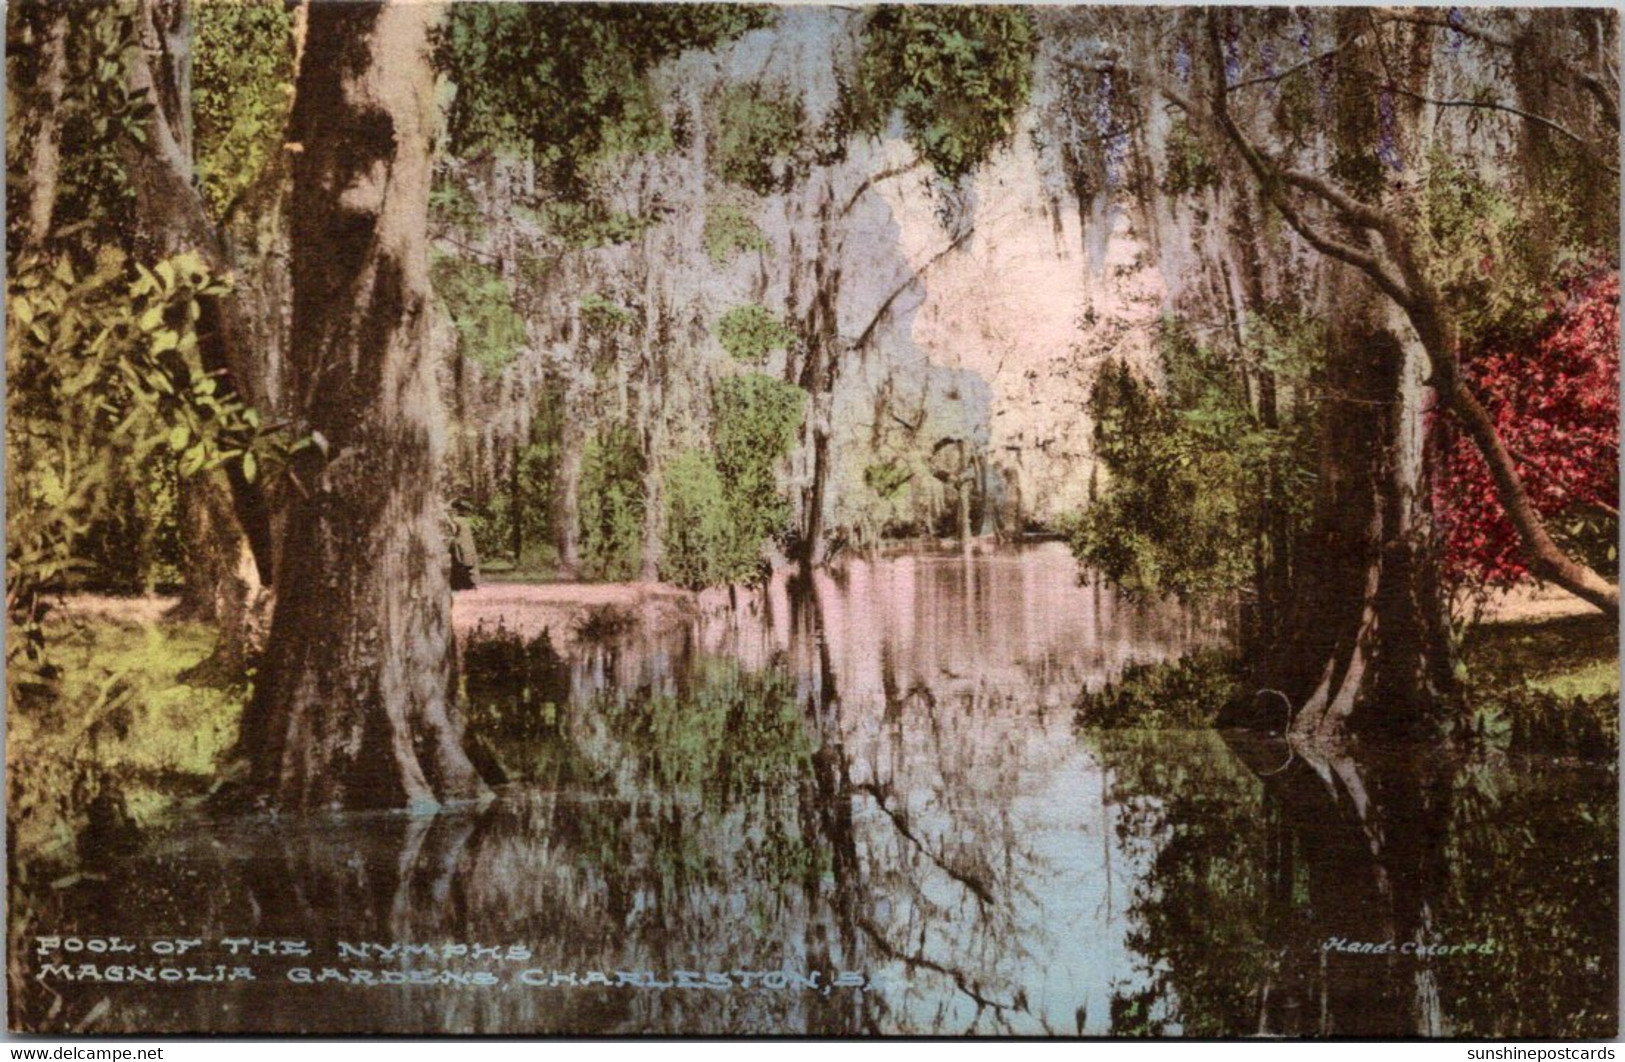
[704, 545]
[106, 385]
[723, 504]
[1193, 467]
[749, 332]
[612, 500]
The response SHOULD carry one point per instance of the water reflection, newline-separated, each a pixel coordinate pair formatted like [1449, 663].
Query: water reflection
[877, 771]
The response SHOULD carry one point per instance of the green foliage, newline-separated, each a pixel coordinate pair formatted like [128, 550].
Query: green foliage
[602, 315]
[242, 89]
[730, 231]
[960, 76]
[99, 115]
[723, 504]
[513, 517]
[612, 503]
[135, 545]
[480, 304]
[1549, 687]
[1532, 860]
[567, 83]
[703, 543]
[587, 225]
[1170, 519]
[1192, 470]
[748, 332]
[1200, 918]
[105, 379]
[757, 418]
[122, 731]
[757, 131]
[452, 206]
[1493, 258]
[1185, 694]
[729, 735]
[887, 478]
[514, 686]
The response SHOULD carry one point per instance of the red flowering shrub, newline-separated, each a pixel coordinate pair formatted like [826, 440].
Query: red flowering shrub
[1555, 402]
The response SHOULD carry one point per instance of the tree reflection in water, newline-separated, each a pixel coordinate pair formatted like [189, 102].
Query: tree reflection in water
[876, 770]
[1299, 894]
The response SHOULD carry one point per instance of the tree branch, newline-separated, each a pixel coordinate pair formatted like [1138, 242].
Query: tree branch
[1493, 105]
[869, 331]
[1606, 99]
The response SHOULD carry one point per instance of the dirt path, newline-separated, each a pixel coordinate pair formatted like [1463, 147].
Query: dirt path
[1531, 604]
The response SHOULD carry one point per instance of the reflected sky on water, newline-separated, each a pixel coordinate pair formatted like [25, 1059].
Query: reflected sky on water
[877, 777]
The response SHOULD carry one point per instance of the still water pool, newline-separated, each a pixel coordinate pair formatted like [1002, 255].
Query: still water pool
[863, 805]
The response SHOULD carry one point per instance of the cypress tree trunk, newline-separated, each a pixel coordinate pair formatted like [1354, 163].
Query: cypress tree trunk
[355, 704]
[1368, 650]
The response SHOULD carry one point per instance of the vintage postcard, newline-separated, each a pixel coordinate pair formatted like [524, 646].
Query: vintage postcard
[730, 519]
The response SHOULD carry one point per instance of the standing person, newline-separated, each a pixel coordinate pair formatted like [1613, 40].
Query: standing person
[465, 558]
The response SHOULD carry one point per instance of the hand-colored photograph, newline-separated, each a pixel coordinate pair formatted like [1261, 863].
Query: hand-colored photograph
[697, 519]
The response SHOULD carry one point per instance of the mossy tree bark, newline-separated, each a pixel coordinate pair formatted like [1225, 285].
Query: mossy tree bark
[226, 520]
[1366, 648]
[355, 704]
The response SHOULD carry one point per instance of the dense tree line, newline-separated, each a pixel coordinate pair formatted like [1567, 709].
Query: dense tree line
[284, 278]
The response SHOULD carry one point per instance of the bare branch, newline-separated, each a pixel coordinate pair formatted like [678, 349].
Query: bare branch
[883, 175]
[868, 332]
[1607, 99]
[1493, 105]
[1273, 180]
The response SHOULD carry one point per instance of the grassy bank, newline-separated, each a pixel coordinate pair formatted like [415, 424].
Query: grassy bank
[1541, 685]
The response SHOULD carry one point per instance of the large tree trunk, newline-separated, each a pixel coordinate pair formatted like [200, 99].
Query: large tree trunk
[45, 154]
[355, 705]
[1368, 650]
[821, 334]
[171, 219]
